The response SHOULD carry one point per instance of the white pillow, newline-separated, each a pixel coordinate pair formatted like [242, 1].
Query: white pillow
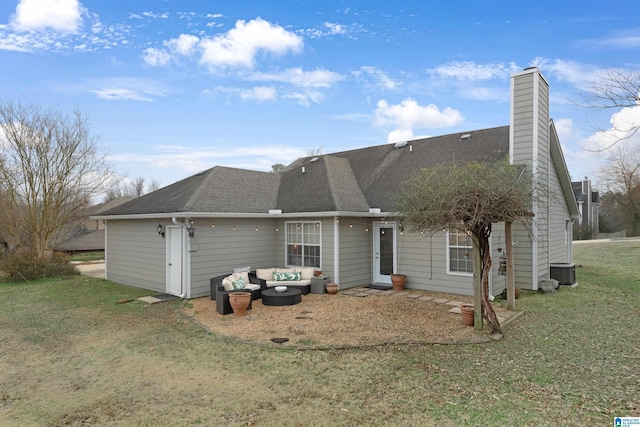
[242, 269]
[244, 276]
[307, 272]
[227, 282]
[265, 273]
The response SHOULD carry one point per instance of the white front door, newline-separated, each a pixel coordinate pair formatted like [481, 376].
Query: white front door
[174, 260]
[384, 252]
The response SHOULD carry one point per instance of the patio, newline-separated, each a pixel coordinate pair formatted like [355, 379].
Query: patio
[356, 317]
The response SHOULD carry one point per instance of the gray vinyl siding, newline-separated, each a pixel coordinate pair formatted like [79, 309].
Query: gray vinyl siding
[328, 263]
[559, 214]
[522, 120]
[356, 257]
[215, 251]
[136, 254]
[544, 181]
[423, 259]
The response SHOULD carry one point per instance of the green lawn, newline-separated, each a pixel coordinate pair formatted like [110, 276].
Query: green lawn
[71, 354]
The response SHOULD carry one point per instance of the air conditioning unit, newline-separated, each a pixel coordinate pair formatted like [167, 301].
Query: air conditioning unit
[564, 273]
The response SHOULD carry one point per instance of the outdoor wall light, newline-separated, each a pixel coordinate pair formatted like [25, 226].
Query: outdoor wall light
[160, 230]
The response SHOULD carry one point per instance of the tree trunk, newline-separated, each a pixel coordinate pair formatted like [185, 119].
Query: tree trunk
[477, 284]
[511, 288]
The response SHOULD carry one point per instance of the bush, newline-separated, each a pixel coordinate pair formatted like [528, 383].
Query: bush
[20, 268]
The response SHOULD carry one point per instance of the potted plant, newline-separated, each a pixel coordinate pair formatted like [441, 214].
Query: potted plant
[239, 302]
[467, 314]
[398, 281]
[332, 288]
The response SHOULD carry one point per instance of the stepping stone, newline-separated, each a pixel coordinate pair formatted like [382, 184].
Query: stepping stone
[360, 294]
[388, 292]
[413, 296]
[440, 300]
[455, 310]
[426, 298]
[501, 319]
[150, 300]
[374, 291]
[454, 302]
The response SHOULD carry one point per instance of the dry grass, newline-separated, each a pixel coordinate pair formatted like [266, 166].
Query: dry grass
[330, 321]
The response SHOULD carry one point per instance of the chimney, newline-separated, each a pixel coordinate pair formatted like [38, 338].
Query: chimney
[529, 130]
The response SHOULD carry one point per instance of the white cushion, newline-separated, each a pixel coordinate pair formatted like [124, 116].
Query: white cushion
[227, 282]
[244, 276]
[265, 273]
[285, 270]
[252, 286]
[307, 272]
[272, 283]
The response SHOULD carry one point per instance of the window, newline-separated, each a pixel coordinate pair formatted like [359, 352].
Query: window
[303, 243]
[459, 252]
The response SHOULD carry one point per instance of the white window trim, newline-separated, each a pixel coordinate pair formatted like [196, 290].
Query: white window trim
[286, 242]
[448, 253]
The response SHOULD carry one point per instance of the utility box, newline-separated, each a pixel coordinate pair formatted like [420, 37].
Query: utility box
[564, 273]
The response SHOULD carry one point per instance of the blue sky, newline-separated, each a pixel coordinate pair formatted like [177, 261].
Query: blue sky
[174, 87]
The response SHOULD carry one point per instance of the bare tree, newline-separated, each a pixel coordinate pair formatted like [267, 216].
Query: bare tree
[616, 90]
[135, 188]
[50, 167]
[314, 151]
[621, 179]
[468, 198]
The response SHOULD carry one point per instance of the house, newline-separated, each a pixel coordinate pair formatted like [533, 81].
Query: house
[335, 212]
[87, 234]
[587, 225]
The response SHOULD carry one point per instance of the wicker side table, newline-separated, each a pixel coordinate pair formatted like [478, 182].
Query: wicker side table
[318, 284]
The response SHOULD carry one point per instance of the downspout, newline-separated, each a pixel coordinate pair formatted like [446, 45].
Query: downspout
[183, 288]
[336, 250]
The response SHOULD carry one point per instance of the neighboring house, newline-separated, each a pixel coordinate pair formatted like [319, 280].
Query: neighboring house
[335, 212]
[87, 234]
[587, 225]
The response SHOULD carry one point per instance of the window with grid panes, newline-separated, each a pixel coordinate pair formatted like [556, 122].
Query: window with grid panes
[303, 244]
[459, 252]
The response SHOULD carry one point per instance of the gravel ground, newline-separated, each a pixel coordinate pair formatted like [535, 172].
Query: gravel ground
[328, 321]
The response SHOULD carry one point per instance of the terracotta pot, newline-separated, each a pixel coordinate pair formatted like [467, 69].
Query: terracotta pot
[398, 281]
[332, 288]
[239, 302]
[517, 293]
[467, 314]
[318, 273]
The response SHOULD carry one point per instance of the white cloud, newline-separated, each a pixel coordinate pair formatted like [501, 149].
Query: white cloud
[184, 44]
[380, 78]
[240, 45]
[578, 74]
[621, 132]
[408, 115]
[155, 57]
[60, 15]
[120, 94]
[399, 135]
[306, 98]
[259, 93]
[317, 78]
[469, 70]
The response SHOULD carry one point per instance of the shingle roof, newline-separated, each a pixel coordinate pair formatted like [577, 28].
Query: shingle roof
[352, 180]
[89, 241]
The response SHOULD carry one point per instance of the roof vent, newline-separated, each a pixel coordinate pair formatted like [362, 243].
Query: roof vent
[465, 137]
[400, 144]
[314, 159]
